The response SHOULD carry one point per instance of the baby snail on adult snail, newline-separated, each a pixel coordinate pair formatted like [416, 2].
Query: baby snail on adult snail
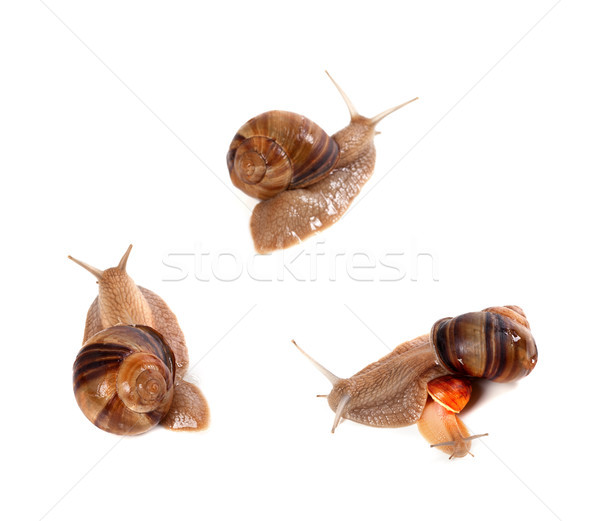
[427, 380]
[128, 376]
[305, 178]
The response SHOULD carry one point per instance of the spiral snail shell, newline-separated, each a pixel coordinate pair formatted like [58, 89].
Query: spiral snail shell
[123, 378]
[305, 178]
[451, 392]
[494, 344]
[279, 151]
[128, 376]
[491, 345]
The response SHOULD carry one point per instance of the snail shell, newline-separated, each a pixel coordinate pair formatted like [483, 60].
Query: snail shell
[279, 151]
[123, 379]
[493, 344]
[450, 392]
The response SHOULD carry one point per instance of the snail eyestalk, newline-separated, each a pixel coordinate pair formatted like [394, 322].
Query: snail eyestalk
[94, 271]
[354, 113]
[328, 374]
[376, 119]
[340, 411]
[351, 108]
[123, 262]
[468, 438]
[460, 445]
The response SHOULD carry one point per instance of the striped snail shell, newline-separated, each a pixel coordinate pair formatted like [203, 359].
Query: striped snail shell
[279, 151]
[123, 379]
[495, 344]
[450, 392]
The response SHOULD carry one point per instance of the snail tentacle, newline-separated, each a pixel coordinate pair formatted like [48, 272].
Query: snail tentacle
[326, 372]
[341, 409]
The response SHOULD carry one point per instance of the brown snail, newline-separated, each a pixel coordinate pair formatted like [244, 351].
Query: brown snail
[305, 178]
[439, 423]
[495, 344]
[128, 376]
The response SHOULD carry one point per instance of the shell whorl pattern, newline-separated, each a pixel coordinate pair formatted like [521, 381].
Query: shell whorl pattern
[495, 345]
[123, 379]
[450, 392]
[277, 151]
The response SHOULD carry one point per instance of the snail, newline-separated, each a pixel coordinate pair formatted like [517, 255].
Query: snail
[128, 376]
[305, 178]
[439, 423]
[495, 344]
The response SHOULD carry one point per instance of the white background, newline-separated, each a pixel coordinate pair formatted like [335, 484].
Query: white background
[117, 132]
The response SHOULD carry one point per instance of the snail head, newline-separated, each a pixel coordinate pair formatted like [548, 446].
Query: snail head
[109, 274]
[361, 128]
[120, 300]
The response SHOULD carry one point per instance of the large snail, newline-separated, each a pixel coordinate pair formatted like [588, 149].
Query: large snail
[495, 344]
[306, 179]
[128, 376]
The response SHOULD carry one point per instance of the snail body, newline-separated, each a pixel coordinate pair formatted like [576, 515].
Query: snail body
[445, 430]
[495, 343]
[128, 376]
[439, 423]
[305, 178]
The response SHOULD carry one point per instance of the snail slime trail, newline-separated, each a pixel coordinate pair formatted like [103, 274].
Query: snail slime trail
[305, 178]
[427, 380]
[128, 376]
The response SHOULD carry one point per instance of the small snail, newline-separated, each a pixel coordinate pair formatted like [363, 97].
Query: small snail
[128, 376]
[306, 178]
[495, 344]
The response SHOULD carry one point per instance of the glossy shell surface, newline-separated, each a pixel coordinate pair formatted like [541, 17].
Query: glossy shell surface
[123, 379]
[485, 344]
[279, 151]
[451, 392]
